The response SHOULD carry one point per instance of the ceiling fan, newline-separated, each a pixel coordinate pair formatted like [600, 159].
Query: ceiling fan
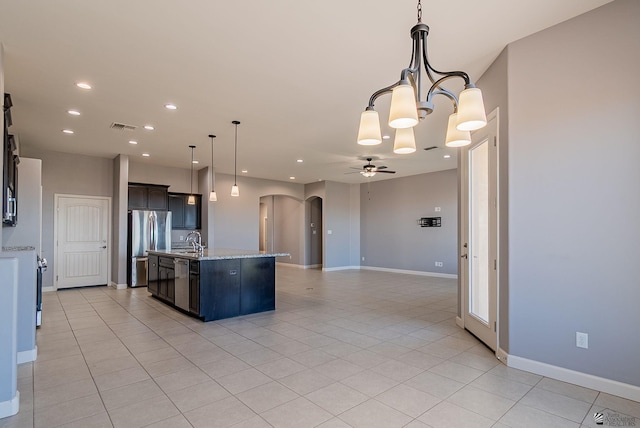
[369, 170]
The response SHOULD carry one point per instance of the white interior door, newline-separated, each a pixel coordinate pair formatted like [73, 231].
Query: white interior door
[82, 235]
[479, 250]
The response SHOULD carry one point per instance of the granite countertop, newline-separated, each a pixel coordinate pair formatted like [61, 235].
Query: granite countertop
[216, 254]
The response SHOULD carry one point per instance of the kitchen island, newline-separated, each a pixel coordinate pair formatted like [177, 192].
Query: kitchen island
[215, 283]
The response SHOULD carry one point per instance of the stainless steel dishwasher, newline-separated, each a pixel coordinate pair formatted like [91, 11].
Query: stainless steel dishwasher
[181, 283]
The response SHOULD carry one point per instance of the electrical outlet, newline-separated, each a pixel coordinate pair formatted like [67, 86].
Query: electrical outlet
[181, 238]
[439, 264]
[438, 209]
[582, 340]
[363, 259]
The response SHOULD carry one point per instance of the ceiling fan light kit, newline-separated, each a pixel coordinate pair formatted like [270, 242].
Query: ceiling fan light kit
[408, 106]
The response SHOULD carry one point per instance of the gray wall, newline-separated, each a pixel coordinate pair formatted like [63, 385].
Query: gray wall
[574, 105]
[178, 179]
[28, 229]
[339, 219]
[237, 219]
[495, 93]
[390, 235]
[288, 227]
[67, 174]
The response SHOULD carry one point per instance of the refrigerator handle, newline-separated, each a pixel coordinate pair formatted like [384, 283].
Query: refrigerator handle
[152, 232]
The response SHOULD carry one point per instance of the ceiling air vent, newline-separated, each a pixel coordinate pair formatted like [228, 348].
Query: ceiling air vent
[122, 127]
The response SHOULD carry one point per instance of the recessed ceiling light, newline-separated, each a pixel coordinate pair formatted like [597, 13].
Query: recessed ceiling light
[73, 112]
[67, 131]
[300, 161]
[170, 106]
[133, 142]
[146, 155]
[149, 127]
[83, 85]
[292, 178]
[195, 161]
[244, 171]
[385, 137]
[446, 156]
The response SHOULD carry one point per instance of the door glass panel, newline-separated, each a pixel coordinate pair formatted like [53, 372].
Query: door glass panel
[479, 231]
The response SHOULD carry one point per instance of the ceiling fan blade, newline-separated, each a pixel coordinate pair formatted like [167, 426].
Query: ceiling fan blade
[386, 172]
[381, 167]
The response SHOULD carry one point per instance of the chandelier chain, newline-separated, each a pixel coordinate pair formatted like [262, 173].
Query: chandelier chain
[419, 10]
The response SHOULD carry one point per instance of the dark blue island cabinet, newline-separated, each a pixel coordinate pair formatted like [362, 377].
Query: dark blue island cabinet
[216, 287]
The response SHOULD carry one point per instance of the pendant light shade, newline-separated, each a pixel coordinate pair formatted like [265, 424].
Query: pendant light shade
[405, 141]
[456, 138]
[234, 189]
[191, 200]
[212, 195]
[369, 133]
[471, 115]
[403, 112]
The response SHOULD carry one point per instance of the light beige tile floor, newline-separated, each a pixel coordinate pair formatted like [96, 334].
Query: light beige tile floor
[343, 349]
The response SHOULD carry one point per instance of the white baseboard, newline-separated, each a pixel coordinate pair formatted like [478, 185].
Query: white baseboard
[10, 407]
[118, 286]
[502, 355]
[459, 322]
[27, 356]
[333, 269]
[412, 272]
[47, 289]
[293, 265]
[586, 380]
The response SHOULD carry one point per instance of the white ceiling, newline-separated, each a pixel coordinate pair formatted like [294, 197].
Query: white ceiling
[296, 74]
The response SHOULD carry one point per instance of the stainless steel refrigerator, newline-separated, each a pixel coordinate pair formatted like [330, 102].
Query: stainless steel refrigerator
[148, 230]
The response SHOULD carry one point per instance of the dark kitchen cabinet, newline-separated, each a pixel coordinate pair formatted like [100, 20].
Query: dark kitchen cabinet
[183, 215]
[152, 280]
[257, 289]
[220, 289]
[194, 287]
[148, 197]
[166, 279]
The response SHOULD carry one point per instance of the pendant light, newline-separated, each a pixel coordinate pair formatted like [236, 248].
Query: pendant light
[212, 196]
[411, 101]
[191, 200]
[234, 190]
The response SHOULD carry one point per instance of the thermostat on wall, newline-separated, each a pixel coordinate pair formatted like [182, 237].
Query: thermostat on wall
[430, 222]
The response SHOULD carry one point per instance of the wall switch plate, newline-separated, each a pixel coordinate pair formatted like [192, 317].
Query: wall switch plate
[438, 209]
[363, 259]
[582, 340]
[439, 264]
[329, 232]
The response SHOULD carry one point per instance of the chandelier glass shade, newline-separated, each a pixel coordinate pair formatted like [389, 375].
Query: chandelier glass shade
[405, 141]
[411, 101]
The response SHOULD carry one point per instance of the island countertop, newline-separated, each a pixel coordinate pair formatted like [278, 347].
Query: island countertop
[215, 254]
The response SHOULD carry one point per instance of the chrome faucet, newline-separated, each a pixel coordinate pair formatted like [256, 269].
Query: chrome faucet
[195, 239]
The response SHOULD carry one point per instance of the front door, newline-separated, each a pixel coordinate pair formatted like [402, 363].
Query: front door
[82, 230]
[479, 253]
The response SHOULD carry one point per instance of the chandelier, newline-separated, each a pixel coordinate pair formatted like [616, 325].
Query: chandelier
[409, 106]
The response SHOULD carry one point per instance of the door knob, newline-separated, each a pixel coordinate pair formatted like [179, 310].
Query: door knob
[104, 246]
[464, 256]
